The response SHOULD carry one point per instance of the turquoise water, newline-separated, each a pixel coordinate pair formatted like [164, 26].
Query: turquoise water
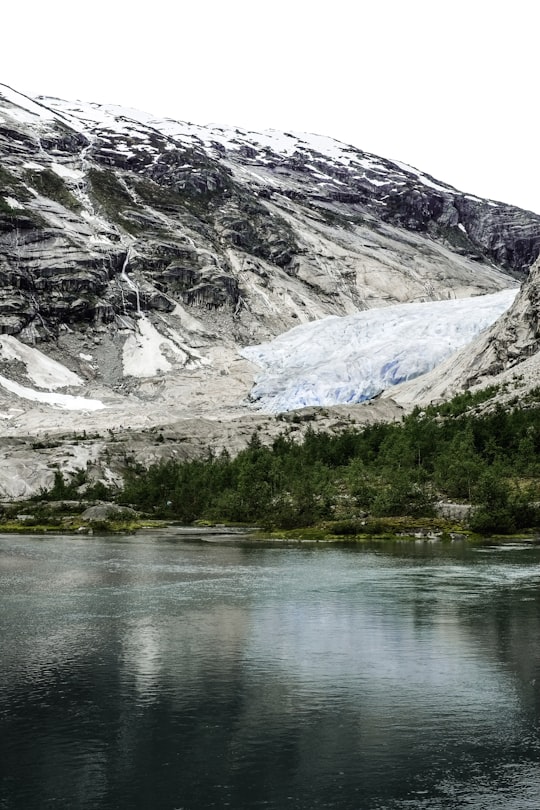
[156, 672]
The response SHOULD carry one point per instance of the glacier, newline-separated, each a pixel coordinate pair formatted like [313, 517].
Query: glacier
[346, 360]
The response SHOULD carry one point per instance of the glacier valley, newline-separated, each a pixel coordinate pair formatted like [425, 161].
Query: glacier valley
[347, 360]
[168, 288]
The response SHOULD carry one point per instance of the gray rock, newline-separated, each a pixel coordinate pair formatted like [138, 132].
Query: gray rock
[108, 511]
[185, 208]
[156, 241]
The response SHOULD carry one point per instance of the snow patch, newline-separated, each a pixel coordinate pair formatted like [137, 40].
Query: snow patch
[13, 203]
[148, 353]
[423, 179]
[65, 401]
[26, 110]
[43, 371]
[65, 172]
[350, 359]
[114, 120]
[375, 182]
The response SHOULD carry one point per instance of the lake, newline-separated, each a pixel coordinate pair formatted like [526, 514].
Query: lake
[161, 671]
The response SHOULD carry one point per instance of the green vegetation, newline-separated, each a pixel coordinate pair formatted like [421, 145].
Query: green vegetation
[62, 509]
[10, 185]
[5, 208]
[42, 516]
[364, 481]
[461, 403]
[380, 481]
[77, 487]
[459, 240]
[50, 185]
[165, 198]
[113, 197]
[56, 521]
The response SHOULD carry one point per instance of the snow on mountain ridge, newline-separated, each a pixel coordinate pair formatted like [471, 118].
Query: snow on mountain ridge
[141, 253]
[120, 120]
[30, 109]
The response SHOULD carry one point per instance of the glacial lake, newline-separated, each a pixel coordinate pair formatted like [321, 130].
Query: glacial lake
[162, 672]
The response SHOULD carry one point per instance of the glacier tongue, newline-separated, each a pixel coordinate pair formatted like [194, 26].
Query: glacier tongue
[349, 359]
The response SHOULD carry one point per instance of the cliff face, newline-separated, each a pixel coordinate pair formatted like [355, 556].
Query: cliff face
[103, 210]
[138, 256]
[506, 355]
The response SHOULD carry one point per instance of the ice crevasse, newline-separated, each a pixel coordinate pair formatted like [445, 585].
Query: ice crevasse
[349, 359]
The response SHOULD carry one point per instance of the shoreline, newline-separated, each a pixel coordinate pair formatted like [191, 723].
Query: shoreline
[254, 536]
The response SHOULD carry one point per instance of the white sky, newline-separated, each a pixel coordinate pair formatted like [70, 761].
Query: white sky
[449, 87]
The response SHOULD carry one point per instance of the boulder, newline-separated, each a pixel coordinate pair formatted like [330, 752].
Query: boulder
[108, 511]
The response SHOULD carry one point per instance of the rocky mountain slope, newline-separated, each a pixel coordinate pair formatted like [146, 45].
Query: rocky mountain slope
[505, 356]
[138, 257]
[358, 357]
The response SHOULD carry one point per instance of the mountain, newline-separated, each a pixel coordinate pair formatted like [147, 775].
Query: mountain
[141, 258]
[351, 359]
[505, 356]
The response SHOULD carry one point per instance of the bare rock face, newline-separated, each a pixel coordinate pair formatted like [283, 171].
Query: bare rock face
[211, 217]
[138, 255]
[507, 355]
[516, 336]
[512, 339]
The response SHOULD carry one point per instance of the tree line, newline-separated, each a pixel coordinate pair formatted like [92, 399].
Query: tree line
[491, 460]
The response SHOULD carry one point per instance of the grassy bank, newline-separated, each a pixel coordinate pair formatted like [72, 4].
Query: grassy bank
[393, 479]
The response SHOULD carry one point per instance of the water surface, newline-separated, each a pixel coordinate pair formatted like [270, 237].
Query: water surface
[154, 672]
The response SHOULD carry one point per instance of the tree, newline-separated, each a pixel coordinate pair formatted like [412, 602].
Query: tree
[493, 512]
[403, 495]
[458, 466]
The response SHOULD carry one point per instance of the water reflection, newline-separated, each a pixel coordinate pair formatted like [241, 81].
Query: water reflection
[142, 673]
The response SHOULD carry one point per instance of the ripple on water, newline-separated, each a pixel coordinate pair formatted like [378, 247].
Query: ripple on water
[143, 673]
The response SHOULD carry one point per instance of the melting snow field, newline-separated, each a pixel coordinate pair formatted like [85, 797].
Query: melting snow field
[145, 350]
[42, 370]
[67, 401]
[350, 359]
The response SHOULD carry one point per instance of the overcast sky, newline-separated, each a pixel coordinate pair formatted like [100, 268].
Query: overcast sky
[449, 87]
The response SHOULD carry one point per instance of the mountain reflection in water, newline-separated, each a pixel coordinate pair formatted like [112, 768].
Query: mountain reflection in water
[149, 672]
